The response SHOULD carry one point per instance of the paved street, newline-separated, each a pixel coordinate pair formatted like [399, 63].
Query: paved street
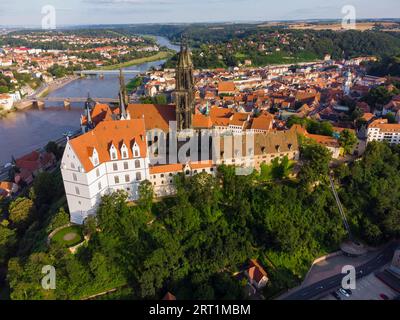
[325, 286]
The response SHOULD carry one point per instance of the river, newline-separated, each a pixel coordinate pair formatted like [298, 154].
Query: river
[24, 131]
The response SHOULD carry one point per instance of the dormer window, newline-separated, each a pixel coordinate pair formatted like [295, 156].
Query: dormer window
[113, 153]
[95, 157]
[124, 151]
[136, 150]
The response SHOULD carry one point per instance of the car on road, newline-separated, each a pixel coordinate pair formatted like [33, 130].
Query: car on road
[336, 295]
[348, 291]
[344, 292]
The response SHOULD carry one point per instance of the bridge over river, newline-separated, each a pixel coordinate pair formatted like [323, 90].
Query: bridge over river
[76, 99]
[104, 72]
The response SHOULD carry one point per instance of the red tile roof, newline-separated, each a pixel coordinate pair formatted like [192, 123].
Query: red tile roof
[226, 87]
[155, 116]
[256, 272]
[104, 135]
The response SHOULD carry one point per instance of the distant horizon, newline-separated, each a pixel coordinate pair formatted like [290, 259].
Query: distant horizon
[28, 13]
[194, 23]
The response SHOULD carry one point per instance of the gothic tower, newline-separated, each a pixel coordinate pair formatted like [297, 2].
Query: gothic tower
[123, 97]
[184, 95]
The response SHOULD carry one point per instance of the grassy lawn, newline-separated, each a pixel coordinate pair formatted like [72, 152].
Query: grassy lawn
[69, 237]
[159, 56]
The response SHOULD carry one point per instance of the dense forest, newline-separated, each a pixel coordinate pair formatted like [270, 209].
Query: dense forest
[193, 243]
[227, 46]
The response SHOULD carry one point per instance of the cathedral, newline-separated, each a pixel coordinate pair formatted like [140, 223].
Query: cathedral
[181, 112]
[121, 147]
[184, 92]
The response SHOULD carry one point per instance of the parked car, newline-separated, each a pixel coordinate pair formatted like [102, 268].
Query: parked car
[336, 295]
[348, 291]
[344, 292]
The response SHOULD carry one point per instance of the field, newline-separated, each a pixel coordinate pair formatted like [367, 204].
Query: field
[159, 56]
[336, 26]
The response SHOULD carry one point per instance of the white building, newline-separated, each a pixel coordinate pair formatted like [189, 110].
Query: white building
[111, 157]
[6, 101]
[381, 130]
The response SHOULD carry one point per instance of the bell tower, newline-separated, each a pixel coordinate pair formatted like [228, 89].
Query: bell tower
[184, 95]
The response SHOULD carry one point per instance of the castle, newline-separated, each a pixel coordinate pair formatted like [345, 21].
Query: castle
[121, 148]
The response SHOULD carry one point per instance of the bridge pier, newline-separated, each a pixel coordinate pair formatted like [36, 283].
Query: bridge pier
[67, 104]
[38, 104]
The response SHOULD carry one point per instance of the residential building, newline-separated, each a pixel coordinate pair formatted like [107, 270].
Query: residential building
[256, 275]
[381, 130]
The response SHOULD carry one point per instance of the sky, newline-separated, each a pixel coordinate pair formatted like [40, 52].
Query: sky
[78, 12]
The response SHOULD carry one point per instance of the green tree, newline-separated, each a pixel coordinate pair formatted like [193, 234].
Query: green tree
[348, 141]
[146, 196]
[22, 211]
[8, 241]
[316, 159]
[45, 188]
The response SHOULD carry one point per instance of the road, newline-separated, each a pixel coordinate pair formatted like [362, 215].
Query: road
[334, 282]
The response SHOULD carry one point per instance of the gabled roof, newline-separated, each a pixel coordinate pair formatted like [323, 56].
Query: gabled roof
[155, 116]
[201, 121]
[226, 86]
[104, 135]
[169, 296]
[256, 272]
[263, 122]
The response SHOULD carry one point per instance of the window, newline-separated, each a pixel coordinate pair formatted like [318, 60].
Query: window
[74, 177]
[115, 166]
[124, 155]
[99, 185]
[162, 175]
[126, 166]
[72, 165]
[95, 161]
[77, 190]
[116, 179]
[113, 156]
[137, 164]
[97, 173]
[187, 172]
[136, 153]
[127, 178]
[138, 176]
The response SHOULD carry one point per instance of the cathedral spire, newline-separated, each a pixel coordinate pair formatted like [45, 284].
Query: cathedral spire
[184, 96]
[88, 108]
[122, 96]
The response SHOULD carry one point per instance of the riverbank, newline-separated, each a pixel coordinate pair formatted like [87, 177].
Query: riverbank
[159, 56]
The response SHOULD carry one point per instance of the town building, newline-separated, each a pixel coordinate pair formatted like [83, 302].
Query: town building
[381, 130]
[256, 275]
